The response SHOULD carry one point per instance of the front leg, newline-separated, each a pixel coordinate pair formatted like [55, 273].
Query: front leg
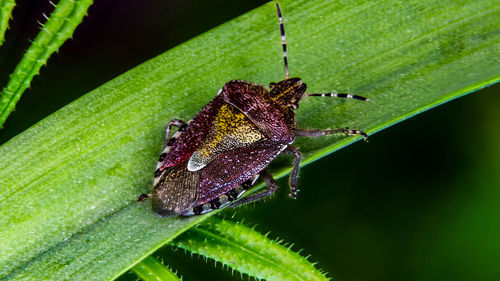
[174, 122]
[319, 133]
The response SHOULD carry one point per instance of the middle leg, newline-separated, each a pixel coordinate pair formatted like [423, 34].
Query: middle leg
[271, 188]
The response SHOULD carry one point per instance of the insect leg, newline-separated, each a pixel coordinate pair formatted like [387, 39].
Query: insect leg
[295, 172]
[174, 122]
[221, 201]
[319, 133]
[143, 197]
[271, 188]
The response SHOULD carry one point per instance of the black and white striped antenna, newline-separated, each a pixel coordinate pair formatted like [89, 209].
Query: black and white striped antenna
[339, 95]
[283, 40]
[285, 62]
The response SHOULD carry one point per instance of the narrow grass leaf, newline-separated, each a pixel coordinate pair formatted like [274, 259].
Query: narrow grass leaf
[58, 28]
[69, 184]
[247, 251]
[151, 269]
[6, 7]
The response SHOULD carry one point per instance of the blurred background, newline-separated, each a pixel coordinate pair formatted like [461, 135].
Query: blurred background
[420, 201]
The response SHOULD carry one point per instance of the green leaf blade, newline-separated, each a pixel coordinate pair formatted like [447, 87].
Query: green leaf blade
[105, 250]
[245, 250]
[69, 183]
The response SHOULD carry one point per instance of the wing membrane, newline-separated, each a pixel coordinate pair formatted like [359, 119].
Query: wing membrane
[176, 190]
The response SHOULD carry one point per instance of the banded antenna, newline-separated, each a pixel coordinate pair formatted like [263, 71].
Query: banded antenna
[283, 40]
[339, 95]
[287, 74]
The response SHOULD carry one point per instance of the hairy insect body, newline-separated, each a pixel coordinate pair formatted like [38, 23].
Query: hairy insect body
[217, 161]
[214, 158]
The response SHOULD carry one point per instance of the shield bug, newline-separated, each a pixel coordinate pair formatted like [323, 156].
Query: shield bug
[214, 158]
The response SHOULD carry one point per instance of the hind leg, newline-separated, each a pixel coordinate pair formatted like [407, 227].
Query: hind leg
[271, 188]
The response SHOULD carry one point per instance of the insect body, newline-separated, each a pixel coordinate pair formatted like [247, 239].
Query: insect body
[215, 157]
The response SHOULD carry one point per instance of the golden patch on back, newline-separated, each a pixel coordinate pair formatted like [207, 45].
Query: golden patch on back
[231, 129]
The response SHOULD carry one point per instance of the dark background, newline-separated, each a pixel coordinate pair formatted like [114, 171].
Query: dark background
[420, 201]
